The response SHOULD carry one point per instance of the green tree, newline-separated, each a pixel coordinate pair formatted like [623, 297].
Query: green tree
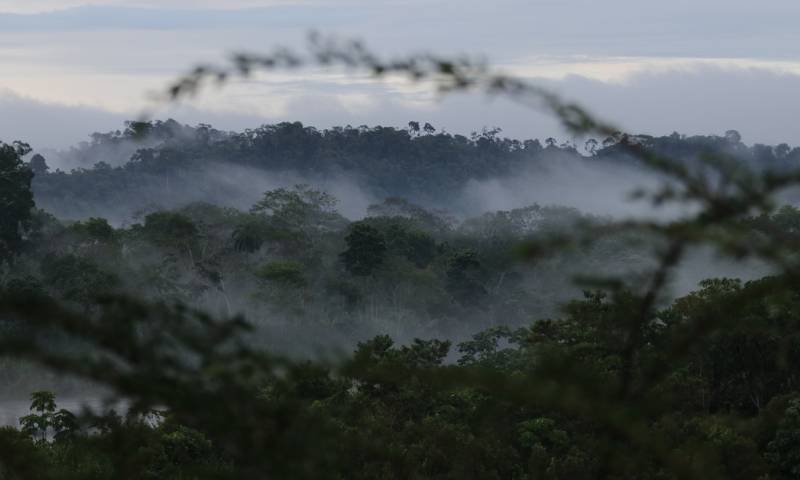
[170, 229]
[251, 233]
[38, 165]
[784, 450]
[76, 279]
[366, 249]
[464, 278]
[298, 208]
[97, 229]
[38, 423]
[284, 273]
[16, 198]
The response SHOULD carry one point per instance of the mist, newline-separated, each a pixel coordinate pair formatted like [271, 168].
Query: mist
[598, 187]
[294, 286]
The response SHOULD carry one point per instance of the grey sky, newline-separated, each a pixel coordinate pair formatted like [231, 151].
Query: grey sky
[698, 66]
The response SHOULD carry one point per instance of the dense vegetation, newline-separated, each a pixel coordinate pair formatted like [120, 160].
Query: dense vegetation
[294, 266]
[165, 164]
[623, 382]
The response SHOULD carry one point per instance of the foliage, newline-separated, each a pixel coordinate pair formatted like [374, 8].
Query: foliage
[784, 449]
[97, 229]
[16, 198]
[169, 228]
[464, 278]
[366, 250]
[286, 273]
[45, 420]
[76, 279]
[297, 208]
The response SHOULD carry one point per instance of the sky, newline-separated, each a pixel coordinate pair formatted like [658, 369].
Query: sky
[71, 67]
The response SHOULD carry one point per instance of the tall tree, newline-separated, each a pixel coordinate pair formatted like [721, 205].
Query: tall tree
[38, 165]
[366, 249]
[16, 198]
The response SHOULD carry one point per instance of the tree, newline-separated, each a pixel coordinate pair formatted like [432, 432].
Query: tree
[76, 279]
[170, 229]
[784, 449]
[299, 208]
[418, 247]
[44, 419]
[733, 137]
[97, 229]
[16, 198]
[38, 165]
[464, 274]
[250, 234]
[366, 249]
[37, 423]
[284, 273]
[782, 150]
[138, 130]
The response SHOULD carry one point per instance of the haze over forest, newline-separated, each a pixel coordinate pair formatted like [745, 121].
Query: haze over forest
[442, 240]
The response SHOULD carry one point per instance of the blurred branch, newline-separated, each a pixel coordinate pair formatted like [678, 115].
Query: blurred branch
[445, 74]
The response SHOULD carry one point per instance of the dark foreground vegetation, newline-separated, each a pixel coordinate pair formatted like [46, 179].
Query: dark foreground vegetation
[534, 402]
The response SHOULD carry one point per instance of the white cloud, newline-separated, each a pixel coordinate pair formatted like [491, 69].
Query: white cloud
[621, 69]
[36, 6]
[44, 124]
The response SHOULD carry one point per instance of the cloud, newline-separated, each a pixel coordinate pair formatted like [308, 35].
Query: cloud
[40, 6]
[711, 28]
[761, 104]
[48, 125]
[110, 54]
[116, 18]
